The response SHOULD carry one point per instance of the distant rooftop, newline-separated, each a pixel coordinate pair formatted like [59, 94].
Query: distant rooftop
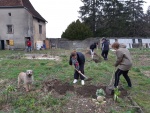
[21, 3]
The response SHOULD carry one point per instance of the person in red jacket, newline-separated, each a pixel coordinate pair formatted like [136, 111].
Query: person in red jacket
[28, 45]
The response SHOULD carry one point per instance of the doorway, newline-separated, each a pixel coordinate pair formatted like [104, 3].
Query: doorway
[26, 38]
[2, 45]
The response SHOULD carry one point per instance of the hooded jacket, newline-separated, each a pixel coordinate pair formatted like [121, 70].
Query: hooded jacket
[124, 61]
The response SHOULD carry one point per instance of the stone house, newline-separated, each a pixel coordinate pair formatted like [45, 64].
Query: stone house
[19, 21]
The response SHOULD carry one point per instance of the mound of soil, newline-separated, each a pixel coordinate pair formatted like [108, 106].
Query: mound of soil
[96, 58]
[123, 92]
[88, 90]
[81, 99]
[58, 86]
[85, 91]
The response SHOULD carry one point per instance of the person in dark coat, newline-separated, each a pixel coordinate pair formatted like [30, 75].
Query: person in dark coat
[78, 60]
[92, 47]
[105, 48]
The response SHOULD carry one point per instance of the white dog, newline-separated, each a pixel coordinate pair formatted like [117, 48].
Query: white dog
[27, 79]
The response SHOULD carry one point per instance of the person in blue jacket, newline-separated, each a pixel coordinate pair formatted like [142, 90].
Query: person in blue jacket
[78, 60]
[105, 48]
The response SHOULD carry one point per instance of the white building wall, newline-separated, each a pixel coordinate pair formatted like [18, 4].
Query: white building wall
[146, 41]
[127, 42]
[37, 36]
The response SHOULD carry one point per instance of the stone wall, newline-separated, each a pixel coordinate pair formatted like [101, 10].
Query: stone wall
[67, 44]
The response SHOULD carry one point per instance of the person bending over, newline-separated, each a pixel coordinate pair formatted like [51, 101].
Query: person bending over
[78, 60]
[92, 47]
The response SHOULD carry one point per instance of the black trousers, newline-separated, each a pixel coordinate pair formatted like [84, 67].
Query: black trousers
[76, 74]
[105, 54]
[125, 74]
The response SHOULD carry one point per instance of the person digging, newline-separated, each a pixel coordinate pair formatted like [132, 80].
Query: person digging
[78, 60]
[123, 63]
[92, 47]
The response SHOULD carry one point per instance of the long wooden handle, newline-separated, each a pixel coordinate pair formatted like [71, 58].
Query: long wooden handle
[113, 74]
[80, 73]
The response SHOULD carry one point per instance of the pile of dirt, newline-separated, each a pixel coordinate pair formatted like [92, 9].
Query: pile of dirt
[85, 91]
[123, 92]
[96, 58]
[58, 86]
[88, 90]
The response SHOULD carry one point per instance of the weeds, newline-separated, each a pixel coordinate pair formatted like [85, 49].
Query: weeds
[116, 94]
[33, 102]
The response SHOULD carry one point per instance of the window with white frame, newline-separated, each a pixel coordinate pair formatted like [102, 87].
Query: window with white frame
[10, 29]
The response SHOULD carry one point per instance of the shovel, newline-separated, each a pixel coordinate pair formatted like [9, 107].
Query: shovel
[110, 87]
[86, 78]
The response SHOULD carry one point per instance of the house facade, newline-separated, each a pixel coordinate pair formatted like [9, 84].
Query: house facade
[19, 21]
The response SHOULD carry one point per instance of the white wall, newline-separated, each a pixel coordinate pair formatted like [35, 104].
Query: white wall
[37, 36]
[128, 42]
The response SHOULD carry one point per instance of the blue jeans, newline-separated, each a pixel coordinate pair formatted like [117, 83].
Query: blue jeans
[29, 49]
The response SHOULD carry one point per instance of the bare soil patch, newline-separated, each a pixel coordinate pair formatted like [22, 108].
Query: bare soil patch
[42, 56]
[89, 90]
[146, 73]
[96, 58]
[85, 91]
[81, 96]
[58, 86]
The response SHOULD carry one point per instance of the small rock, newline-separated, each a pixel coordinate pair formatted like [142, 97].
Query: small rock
[97, 103]
[100, 98]
[94, 100]
[103, 103]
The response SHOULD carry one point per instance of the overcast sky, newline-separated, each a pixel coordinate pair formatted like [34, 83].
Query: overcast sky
[60, 13]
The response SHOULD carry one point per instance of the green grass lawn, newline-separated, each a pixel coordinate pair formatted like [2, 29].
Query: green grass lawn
[13, 62]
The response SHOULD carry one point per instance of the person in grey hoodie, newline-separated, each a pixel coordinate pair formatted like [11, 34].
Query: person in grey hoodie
[123, 63]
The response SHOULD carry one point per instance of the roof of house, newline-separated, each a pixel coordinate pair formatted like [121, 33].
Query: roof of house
[21, 3]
